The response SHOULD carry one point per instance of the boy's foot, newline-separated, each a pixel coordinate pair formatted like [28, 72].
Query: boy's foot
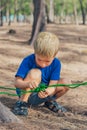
[55, 107]
[20, 108]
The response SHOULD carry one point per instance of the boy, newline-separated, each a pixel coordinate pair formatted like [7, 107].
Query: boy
[40, 67]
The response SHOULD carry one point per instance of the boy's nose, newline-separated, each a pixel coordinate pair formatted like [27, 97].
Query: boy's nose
[43, 65]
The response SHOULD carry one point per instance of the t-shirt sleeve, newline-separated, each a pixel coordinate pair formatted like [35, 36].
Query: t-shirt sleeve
[56, 69]
[23, 68]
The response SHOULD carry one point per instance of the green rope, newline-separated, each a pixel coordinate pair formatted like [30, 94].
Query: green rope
[41, 87]
[8, 93]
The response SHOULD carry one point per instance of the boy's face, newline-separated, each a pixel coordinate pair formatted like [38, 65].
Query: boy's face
[43, 61]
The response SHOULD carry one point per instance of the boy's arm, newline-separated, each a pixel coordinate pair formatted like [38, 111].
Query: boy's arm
[23, 84]
[20, 83]
[53, 82]
[51, 90]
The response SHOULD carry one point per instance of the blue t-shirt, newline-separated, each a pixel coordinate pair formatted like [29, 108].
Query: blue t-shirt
[51, 72]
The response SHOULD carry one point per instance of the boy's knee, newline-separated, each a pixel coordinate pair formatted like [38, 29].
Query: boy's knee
[34, 74]
[66, 89]
[65, 81]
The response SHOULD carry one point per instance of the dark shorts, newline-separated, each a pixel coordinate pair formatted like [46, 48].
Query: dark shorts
[35, 100]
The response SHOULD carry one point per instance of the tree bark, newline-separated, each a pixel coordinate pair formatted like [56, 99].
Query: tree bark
[75, 12]
[7, 116]
[39, 19]
[83, 11]
[51, 11]
[1, 14]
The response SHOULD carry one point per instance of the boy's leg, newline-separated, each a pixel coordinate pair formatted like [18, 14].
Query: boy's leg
[33, 76]
[34, 99]
[59, 91]
[21, 106]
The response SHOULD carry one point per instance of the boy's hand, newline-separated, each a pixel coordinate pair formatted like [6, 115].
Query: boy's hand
[32, 85]
[47, 92]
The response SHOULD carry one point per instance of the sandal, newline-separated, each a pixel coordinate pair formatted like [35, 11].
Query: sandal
[55, 107]
[20, 108]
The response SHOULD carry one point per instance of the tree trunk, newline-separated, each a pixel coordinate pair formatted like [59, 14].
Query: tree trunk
[62, 16]
[39, 19]
[7, 116]
[83, 12]
[15, 11]
[51, 11]
[75, 12]
[1, 14]
[1, 18]
[47, 13]
[9, 22]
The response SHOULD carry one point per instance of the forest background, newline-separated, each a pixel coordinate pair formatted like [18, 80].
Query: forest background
[20, 22]
[59, 11]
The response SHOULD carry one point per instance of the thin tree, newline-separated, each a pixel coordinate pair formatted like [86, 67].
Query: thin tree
[51, 11]
[75, 11]
[1, 14]
[2, 7]
[83, 11]
[39, 19]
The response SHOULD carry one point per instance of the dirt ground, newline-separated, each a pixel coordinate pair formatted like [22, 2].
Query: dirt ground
[73, 55]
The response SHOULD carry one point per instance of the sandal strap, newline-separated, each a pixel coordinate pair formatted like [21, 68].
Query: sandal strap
[20, 108]
[54, 106]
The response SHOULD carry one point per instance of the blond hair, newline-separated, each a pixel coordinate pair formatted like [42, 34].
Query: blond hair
[47, 44]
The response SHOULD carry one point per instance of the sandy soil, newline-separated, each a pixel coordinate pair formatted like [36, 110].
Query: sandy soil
[73, 55]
